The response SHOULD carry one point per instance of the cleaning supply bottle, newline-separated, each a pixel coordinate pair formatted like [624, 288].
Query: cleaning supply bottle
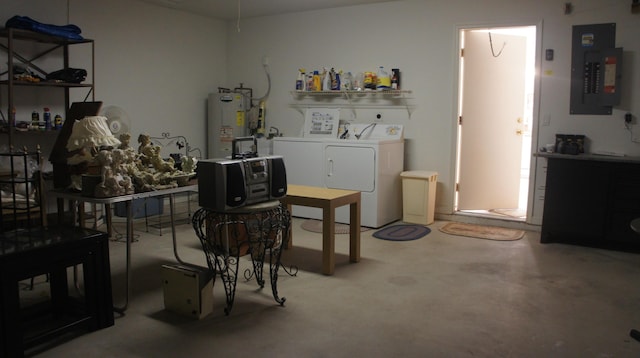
[35, 120]
[347, 82]
[395, 79]
[326, 80]
[57, 122]
[300, 81]
[317, 83]
[309, 84]
[383, 79]
[47, 119]
[334, 80]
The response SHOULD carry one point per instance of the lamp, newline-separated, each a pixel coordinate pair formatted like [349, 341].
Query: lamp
[87, 136]
[91, 132]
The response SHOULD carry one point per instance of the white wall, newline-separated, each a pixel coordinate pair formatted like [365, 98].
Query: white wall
[159, 64]
[155, 63]
[419, 37]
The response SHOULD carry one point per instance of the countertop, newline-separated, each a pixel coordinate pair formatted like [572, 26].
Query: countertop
[590, 157]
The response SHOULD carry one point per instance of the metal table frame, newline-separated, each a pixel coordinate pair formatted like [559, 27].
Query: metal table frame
[128, 200]
[256, 230]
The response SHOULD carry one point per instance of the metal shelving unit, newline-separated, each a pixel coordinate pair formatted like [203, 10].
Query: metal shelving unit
[54, 43]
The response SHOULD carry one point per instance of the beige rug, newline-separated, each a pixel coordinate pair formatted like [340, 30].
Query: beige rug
[316, 226]
[482, 232]
[514, 213]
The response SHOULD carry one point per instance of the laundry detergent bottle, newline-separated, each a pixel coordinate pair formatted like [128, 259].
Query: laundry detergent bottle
[384, 81]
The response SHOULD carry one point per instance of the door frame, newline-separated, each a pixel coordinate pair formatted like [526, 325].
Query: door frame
[455, 142]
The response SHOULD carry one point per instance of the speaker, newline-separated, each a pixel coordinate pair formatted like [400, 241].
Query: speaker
[278, 178]
[221, 184]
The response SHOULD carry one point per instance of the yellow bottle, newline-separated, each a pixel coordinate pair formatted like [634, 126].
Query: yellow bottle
[317, 84]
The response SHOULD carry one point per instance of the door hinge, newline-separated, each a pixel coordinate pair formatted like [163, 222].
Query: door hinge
[457, 186]
[460, 120]
[461, 52]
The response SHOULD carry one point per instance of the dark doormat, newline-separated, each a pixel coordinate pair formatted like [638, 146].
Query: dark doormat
[402, 232]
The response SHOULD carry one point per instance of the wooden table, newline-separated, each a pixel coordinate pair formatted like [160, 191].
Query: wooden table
[328, 200]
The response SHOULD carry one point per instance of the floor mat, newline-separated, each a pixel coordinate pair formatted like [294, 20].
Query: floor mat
[482, 232]
[402, 232]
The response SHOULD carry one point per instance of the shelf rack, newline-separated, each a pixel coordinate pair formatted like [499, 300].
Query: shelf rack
[55, 43]
[355, 99]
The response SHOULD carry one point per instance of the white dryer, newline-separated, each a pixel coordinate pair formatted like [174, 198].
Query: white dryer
[371, 165]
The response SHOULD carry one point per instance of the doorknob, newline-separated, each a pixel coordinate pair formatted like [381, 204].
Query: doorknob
[519, 120]
[519, 131]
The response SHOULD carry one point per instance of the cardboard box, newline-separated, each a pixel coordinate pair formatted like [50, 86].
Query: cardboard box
[188, 290]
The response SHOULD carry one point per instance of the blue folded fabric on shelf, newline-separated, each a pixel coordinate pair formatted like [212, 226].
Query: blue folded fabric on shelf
[70, 31]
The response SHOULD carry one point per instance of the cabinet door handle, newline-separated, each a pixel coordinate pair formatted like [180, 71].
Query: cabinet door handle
[329, 167]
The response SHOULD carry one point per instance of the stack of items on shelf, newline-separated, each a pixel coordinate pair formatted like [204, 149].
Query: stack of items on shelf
[332, 80]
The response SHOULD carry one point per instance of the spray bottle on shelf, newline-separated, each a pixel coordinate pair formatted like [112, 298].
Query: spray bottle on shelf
[326, 79]
[301, 80]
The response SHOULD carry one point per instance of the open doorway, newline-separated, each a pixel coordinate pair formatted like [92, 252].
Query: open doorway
[495, 111]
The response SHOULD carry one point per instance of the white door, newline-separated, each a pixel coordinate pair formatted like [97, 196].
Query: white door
[492, 110]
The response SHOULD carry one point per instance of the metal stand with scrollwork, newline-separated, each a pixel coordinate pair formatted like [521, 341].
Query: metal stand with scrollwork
[258, 230]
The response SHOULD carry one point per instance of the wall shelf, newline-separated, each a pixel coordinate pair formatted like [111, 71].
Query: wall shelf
[353, 99]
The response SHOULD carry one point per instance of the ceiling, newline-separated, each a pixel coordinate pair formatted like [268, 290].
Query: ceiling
[228, 9]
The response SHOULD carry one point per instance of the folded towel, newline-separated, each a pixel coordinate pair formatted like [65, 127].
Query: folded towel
[70, 31]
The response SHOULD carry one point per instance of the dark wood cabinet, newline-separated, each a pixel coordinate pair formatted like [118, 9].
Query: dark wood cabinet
[591, 200]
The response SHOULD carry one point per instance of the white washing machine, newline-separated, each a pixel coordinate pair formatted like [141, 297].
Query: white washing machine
[371, 165]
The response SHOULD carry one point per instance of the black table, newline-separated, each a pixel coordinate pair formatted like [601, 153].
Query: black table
[53, 252]
[256, 230]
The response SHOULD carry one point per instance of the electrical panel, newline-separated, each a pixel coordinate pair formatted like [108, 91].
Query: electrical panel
[596, 69]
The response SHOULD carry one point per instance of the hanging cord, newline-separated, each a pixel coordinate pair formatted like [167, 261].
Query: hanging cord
[238, 20]
[372, 125]
[491, 43]
[266, 95]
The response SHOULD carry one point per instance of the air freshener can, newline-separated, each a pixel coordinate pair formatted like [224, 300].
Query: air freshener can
[47, 119]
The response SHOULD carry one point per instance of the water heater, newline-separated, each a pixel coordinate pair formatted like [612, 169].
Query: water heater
[226, 120]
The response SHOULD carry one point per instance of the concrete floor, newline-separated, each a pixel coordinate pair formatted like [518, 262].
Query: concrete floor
[439, 296]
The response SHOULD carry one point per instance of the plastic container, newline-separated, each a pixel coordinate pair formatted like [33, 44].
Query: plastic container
[418, 196]
[317, 82]
[301, 80]
[383, 80]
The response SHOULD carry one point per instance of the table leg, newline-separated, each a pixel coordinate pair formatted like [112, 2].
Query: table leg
[354, 232]
[328, 240]
[128, 240]
[290, 229]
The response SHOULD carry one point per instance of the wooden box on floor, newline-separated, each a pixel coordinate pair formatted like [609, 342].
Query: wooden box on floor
[188, 290]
